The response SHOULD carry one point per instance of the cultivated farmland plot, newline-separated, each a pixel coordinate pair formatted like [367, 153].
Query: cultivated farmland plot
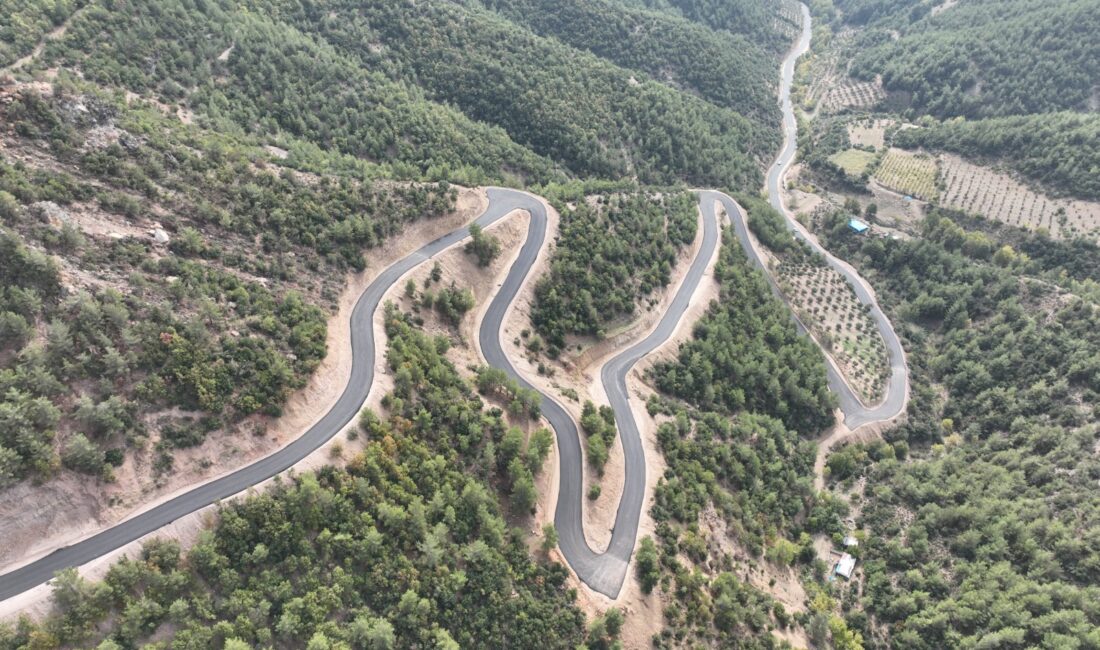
[827, 305]
[994, 195]
[912, 174]
[850, 93]
[869, 133]
[789, 20]
[853, 161]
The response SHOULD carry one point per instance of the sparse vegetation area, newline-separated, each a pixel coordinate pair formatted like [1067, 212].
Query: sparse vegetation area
[851, 94]
[121, 343]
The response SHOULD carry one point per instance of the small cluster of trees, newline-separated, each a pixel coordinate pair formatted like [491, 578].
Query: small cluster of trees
[485, 248]
[522, 401]
[612, 252]
[599, 427]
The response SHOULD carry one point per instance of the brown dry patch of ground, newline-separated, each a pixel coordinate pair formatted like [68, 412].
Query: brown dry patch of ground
[781, 583]
[35, 519]
[869, 133]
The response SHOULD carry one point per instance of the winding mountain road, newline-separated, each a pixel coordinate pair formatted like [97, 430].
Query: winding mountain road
[347, 407]
[604, 572]
[856, 413]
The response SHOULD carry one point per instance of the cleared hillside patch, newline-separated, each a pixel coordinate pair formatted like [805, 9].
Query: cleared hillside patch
[912, 174]
[853, 161]
[995, 195]
[869, 133]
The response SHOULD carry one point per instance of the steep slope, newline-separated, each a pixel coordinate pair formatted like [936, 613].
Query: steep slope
[982, 58]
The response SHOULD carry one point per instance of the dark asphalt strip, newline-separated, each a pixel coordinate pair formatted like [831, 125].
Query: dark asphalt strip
[347, 407]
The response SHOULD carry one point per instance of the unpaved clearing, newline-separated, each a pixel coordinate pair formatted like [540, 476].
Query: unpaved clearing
[869, 133]
[34, 519]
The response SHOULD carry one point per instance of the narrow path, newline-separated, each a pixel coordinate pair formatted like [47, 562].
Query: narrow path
[52, 35]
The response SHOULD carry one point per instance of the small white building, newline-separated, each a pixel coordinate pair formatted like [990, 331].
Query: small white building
[846, 566]
[850, 541]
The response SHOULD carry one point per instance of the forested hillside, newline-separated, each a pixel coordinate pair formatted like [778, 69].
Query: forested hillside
[727, 69]
[359, 78]
[757, 19]
[406, 547]
[184, 186]
[982, 58]
[990, 535]
[1009, 82]
[259, 139]
[746, 355]
[613, 251]
[112, 338]
[738, 482]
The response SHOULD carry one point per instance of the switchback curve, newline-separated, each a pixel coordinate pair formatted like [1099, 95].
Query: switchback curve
[603, 572]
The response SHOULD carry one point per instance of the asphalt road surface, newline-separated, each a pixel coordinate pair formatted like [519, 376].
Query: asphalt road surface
[603, 572]
[347, 407]
[855, 412]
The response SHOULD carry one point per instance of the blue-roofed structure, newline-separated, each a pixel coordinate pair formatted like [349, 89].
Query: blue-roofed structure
[858, 226]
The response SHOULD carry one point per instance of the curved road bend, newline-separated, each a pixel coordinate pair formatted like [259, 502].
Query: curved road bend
[855, 412]
[347, 407]
[603, 572]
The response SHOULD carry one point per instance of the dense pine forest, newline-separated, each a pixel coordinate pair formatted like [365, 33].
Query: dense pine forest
[991, 535]
[612, 252]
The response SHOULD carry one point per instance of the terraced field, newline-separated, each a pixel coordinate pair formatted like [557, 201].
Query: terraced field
[849, 93]
[827, 306]
[998, 196]
[912, 174]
